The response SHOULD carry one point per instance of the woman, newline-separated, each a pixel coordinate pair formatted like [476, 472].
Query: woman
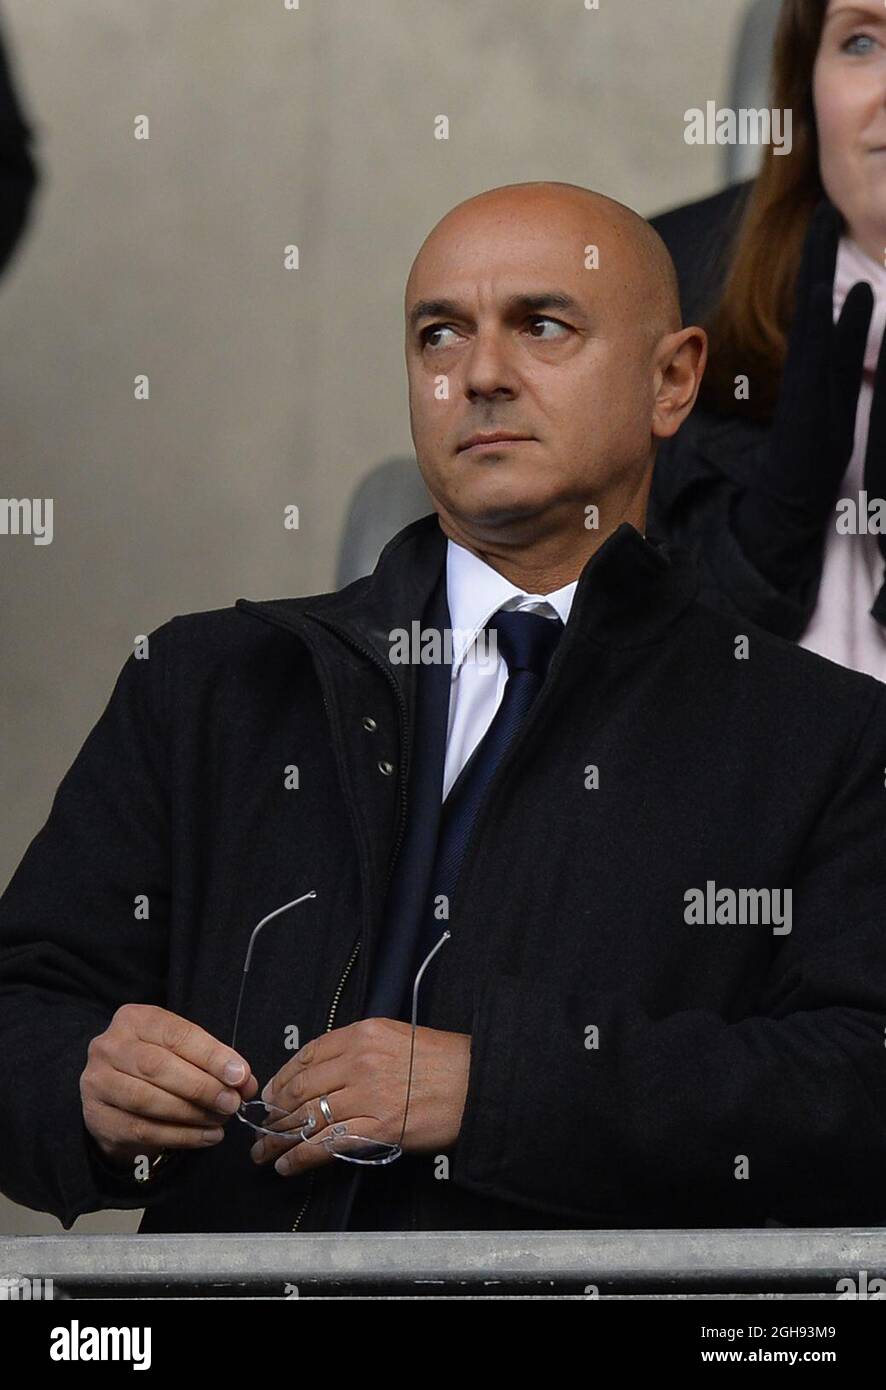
[767, 480]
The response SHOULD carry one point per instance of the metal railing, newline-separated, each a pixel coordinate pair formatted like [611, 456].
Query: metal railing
[758, 1263]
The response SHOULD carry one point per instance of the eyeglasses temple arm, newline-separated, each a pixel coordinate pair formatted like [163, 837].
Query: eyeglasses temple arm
[422, 968]
[255, 931]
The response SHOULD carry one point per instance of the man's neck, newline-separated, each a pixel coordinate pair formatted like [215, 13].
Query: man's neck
[543, 564]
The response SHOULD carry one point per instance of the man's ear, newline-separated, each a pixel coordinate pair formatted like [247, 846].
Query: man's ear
[680, 362]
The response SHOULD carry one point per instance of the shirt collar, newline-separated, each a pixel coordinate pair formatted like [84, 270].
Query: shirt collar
[475, 591]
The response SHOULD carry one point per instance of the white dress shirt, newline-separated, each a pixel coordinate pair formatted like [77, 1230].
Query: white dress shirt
[475, 592]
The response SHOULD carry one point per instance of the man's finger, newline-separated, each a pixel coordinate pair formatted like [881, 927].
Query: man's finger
[142, 1133]
[308, 1118]
[301, 1158]
[127, 1090]
[318, 1079]
[188, 1040]
[168, 1072]
[322, 1049]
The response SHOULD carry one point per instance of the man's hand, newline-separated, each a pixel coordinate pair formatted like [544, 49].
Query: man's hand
[363, 1071]
[155, 1081]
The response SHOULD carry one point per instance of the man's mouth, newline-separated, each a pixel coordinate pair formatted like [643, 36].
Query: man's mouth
[492, 439]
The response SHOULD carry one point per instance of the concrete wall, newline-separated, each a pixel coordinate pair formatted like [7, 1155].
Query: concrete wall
[268, 126]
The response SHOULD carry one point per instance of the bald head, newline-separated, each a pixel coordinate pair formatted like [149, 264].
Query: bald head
[630, 250]
[551, 314]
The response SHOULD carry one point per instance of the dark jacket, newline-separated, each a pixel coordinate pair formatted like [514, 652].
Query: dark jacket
[713, 1041]
[701, 472]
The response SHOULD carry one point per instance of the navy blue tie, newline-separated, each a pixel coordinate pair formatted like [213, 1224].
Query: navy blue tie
[526, 641]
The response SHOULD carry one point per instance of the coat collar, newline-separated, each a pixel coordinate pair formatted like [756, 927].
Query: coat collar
[629, 593]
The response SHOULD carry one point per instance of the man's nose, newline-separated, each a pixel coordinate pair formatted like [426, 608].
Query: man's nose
[489, 368]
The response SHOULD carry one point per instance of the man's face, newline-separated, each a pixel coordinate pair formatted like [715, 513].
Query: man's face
[509, 328]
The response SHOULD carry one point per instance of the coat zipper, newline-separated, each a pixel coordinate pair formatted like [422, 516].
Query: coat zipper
[400, 833]
[341, 984]
[332, 1012]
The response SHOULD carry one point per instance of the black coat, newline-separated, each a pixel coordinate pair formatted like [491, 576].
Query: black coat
[714, 1041]
[700, 474]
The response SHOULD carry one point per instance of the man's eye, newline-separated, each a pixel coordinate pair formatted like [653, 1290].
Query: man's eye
[541, 318]
[434, 328]
[852, 45]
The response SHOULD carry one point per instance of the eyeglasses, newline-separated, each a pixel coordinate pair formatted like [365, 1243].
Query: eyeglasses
[278, 1123]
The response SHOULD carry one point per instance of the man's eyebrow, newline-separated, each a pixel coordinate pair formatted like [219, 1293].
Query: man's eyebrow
[525, 303]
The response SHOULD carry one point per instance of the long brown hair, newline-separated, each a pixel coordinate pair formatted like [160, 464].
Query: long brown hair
[748, 326]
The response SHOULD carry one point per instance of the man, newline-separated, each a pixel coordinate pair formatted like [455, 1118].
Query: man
[663, 994]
